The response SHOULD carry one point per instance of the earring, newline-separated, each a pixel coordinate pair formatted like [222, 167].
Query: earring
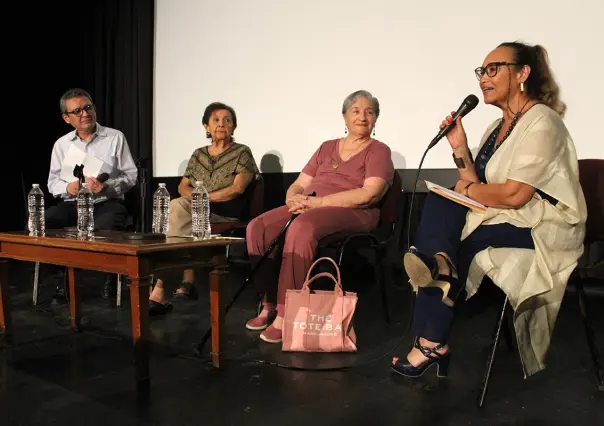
[521, 87]
[345, 130]
[208, 135]
[374, 132]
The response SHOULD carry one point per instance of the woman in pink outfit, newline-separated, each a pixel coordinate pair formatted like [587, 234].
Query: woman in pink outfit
[349, 177]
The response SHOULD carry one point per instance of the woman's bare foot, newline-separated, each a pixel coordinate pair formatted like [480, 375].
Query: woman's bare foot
[416, 357]
[158, 295]
[188, 276]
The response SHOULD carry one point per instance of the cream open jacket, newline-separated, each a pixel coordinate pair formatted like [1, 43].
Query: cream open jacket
[539, 152]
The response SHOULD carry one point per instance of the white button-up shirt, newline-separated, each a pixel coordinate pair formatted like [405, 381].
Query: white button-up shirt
[108, 145]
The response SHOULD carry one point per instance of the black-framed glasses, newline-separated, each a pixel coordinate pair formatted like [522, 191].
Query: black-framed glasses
[78, 111]
[491, 69]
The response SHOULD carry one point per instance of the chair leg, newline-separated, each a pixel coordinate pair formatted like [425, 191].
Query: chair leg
[118, 301]
[381, 282]
[36, 282]
[591, 340]
[491, 359]
[340, 255]
[507, 332]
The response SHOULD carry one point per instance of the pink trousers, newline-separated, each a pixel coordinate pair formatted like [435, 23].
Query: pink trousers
[276, 275]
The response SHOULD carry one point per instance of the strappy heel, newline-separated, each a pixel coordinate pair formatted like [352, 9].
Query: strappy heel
[441, 361]
[423, 272]
[420, 268]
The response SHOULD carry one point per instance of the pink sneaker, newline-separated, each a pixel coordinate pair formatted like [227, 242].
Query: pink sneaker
[272, 335]
[261, 322]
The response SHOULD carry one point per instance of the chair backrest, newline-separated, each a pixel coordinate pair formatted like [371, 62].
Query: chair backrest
[591, 177]
[390, 203]
[257, 200]
[389, 210]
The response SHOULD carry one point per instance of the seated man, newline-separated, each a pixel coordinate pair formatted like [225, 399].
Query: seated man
[109, 146]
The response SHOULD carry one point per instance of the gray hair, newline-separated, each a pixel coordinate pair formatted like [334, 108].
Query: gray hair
[73, 93]
[350, 99]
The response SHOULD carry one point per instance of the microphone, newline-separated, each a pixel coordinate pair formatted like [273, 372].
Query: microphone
[466, 106]
[102, 177]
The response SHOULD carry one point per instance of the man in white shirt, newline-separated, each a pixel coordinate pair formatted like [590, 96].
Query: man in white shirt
[98, 143]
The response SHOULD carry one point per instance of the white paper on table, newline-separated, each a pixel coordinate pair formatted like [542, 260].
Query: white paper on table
[74, 156]
[455, 196]
[213, 236]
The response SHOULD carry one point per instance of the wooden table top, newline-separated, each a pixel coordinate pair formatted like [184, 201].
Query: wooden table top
[113, 242]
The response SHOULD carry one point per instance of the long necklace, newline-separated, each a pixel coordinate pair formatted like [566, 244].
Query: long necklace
[490, 145]
[508, 132]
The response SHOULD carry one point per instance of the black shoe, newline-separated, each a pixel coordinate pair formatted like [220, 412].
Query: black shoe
[421, 269]
[423, 272]
[60, 296]
[110, 286]
[156, 308]
[442, 362]
[187, 292]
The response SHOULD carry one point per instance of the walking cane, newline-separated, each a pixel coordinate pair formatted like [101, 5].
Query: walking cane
[281, 236]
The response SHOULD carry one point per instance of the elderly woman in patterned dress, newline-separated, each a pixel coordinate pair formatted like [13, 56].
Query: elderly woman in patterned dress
[226, 168]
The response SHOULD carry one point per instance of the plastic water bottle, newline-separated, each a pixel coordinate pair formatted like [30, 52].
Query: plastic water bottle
[35, 207]
[200, 211]
[161, 209]
[85, 206]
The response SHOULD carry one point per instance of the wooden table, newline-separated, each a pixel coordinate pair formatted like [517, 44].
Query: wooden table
[110, 252]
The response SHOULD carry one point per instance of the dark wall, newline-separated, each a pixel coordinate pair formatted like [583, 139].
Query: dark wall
[276, 184]
[48, 59]
[104, 47]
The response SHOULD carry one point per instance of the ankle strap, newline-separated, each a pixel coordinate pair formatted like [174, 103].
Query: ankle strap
[429, 352]
[448, 262]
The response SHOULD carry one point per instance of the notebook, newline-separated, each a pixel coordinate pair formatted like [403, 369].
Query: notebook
[455, 196]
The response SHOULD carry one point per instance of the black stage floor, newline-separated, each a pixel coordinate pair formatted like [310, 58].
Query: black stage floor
[54, 376]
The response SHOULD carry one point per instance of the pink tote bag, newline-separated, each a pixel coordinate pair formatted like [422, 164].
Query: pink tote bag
[319, 321]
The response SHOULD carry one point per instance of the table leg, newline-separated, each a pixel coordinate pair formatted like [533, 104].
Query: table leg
[217, 278]
[139, 304]
[75, 311]
[5, 310]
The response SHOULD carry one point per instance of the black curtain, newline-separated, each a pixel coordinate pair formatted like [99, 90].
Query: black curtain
[122, 39]
[104, 47]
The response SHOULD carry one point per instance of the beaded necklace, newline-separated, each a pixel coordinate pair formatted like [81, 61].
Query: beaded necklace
[491, 142]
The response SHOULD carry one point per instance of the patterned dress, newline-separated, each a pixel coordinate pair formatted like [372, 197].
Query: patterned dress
[219, 172]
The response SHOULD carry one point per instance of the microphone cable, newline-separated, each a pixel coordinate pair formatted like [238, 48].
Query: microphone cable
[251, 360]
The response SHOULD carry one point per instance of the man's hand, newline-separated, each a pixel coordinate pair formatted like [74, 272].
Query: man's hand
[94, 185]
[72, 188]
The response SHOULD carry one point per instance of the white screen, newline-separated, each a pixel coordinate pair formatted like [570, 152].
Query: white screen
[286, 67]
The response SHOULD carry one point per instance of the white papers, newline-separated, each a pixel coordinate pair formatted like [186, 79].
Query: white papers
[455, 196]
[212, 237]
[74, 156]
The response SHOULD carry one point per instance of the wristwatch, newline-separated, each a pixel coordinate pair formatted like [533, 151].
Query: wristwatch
[465, 190]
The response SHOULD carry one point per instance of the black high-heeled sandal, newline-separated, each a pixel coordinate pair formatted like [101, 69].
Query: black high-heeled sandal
[442, 362]
[423, 272]
[420, 268]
